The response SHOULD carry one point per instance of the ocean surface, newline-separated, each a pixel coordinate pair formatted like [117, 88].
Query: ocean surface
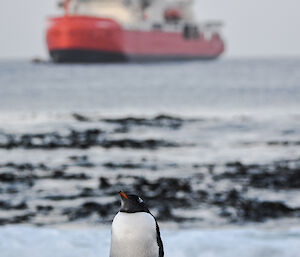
[213, 147]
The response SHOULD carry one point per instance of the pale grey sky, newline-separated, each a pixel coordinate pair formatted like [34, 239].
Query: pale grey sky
[252, 27]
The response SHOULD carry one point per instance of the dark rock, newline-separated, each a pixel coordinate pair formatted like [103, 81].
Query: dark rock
[22, 218]
[80, 117]
[283, 143]
[137, 144]
[280, 179]
[86, 192]
[112, 165]
[8, 177]
[79, 158]
[77, 139]
[17, 219]
[82, 161]
[58, 174]
[44, 208]
[279, 176]
[61, 197]
[251, 210]
[22, 166]
[158, 121]
[8, 206]
[86, 210]
[104, 183]
[203, 195]
[164, 213]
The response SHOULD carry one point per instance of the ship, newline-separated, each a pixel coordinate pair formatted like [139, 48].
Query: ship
[131, 31]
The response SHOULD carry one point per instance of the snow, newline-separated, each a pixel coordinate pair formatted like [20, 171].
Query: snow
[21, 241]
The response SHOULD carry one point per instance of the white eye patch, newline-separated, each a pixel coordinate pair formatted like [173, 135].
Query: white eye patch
[140, 200]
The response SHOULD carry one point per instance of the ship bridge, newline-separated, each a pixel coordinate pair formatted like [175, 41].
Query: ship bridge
[130, 11]
[114, 9]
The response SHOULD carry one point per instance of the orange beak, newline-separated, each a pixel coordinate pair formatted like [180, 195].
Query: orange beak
[123, 195]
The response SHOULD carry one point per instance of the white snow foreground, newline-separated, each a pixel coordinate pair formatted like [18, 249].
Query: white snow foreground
[16, 241]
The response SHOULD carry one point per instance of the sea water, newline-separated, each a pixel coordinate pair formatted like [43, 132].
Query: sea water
[18, 241]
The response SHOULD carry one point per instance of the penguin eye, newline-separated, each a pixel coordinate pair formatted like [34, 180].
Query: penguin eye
[140, 200]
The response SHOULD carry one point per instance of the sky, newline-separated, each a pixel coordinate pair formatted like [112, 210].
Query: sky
[252, 28]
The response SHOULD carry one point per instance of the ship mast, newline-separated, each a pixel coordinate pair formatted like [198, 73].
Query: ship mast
[66, 7]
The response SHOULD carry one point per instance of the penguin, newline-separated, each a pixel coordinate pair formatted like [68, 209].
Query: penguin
[135, 231]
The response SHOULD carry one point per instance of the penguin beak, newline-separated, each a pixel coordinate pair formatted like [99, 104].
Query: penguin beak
[123, 195]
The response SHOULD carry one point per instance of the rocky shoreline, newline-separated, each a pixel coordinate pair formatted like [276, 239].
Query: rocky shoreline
[164, 195]
[95, 158]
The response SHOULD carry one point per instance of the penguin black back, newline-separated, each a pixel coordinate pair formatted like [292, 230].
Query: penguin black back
[159, 241]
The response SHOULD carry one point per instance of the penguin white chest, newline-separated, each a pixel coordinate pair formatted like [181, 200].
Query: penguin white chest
[134, 235]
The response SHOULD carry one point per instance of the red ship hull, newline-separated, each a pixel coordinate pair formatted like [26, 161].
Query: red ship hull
[91, 39]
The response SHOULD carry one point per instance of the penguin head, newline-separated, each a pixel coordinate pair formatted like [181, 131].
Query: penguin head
[132, 204]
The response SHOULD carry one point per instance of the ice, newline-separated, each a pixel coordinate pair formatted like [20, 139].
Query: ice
[21, 241]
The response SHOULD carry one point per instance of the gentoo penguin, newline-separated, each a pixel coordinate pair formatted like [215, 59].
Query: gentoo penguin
[135, 232]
